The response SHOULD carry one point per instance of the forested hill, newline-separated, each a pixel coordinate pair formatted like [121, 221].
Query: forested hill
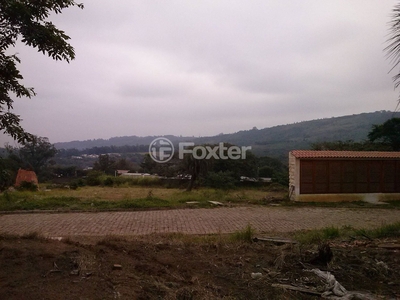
[278, 140]
[274, 141]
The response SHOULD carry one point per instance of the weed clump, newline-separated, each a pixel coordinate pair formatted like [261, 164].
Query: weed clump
[244, 235]
[330, 233]
[319, 236]
[388, 230]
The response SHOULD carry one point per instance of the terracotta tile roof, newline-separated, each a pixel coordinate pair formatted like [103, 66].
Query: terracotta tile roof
[344, 154]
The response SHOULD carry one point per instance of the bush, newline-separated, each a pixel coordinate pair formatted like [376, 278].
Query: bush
[108, 181]
[93, 178]
[74, 184]
[7, 196]
[28, 186]
[220, 180]
[141, 181]
[5, 179]
[330, 232]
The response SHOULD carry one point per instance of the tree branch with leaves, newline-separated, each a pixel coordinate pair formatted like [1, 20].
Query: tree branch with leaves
[28, 21]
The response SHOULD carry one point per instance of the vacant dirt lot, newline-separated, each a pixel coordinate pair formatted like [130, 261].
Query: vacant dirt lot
[187, 267]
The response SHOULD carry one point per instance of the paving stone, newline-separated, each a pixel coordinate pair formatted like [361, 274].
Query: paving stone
[193, 221]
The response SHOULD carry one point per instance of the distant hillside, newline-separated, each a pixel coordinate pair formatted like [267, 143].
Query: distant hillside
[117, 141]
[274, 141]
[278, 140]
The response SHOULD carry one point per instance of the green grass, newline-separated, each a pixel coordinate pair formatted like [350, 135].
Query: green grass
[73, 203]
[131, 204]
[114, 198]
[353, 204]
[347, 232]
[330, 232]
[31, 203]
[385, 231]
[152, 196]
[245, 235]
[40, 201]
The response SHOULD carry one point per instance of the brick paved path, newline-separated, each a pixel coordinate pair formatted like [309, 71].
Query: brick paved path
[193, 221]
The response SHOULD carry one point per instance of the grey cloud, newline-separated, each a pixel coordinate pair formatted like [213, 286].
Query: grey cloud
[205, 67]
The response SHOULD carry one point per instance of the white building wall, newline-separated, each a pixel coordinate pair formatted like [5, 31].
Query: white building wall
[294, 170]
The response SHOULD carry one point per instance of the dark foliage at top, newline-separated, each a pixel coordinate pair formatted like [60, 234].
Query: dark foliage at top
[27, 21]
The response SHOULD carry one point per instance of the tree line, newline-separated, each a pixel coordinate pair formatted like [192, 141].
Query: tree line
[382, 137]
[38, 155]
[102, 150]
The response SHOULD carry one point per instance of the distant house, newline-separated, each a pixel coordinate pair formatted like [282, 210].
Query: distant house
[121, 172]
[344, 175]
[24, 175]
[139, 175]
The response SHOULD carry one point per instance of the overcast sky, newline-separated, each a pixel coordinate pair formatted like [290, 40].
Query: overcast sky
[199, 68]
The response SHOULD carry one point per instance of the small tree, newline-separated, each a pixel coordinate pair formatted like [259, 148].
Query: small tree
[5, 175]
[34, 155]
[105, 164]
[226, 171]
[124, 164]
[221, 180]
[195, 167]
[148, 165]
[168, 169]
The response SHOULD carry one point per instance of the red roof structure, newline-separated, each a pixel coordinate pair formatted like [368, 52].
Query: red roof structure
[345, 154]
[24, 175]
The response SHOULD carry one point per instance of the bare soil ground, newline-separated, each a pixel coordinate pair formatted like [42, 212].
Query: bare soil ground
[187, 267]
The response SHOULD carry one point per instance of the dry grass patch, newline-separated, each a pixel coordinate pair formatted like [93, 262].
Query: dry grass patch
[111, 193]
[135, 197]
[253, 196]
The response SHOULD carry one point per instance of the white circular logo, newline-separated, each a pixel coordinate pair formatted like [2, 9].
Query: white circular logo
[161, 150]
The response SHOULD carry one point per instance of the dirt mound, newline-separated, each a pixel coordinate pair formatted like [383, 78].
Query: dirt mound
[181, 267]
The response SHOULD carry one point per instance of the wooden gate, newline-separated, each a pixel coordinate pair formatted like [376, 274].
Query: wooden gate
[349, 176]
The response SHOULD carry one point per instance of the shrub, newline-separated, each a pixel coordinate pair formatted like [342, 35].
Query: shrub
[220, 180]
[28, 186]
[245, 235]
[74, 184]
[147, 181]
[122, 180]
[388, 230]
[7, 196]
[108, 181]
[93, 178]
[330, 232]
[5, 179]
